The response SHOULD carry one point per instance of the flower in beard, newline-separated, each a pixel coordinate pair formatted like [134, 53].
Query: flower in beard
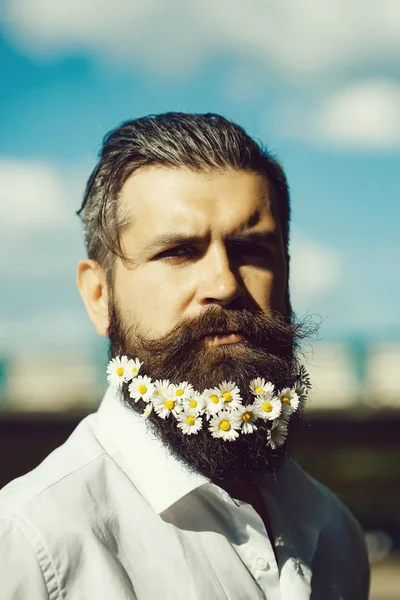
[161, 387]
[118, 371]
[181, 391]
[189, 421]
[278, 433]
[259, 386]
[194, 401]
[164, 405]
[230, 394]
[247, 416]
[289, 400]
[267, 407]
[147, 411]
[133, 368]
[225, 425]
[141, 388]
[213, 401]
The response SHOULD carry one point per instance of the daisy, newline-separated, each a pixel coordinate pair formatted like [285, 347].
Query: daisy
[247, 416]
[133, 368]
[267, 407]
[230, 394]
[260, 386]
[181, 391]
[118, 371]
[147, 411]
[213, 401]
[277, 434]
[162, 387]
[189, 421]
[194, 401]
[141, 388]
[289, 399]
[165, 405]
[225, 425]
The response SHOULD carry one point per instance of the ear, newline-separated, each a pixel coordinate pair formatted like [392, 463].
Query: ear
[92, 285]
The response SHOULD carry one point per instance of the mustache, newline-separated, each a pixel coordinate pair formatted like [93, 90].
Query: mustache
[267, 333]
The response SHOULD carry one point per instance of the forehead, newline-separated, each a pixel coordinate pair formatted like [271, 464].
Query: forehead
[157, 199]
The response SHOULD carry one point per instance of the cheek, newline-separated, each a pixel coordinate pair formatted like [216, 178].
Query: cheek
[267, 288]
[154, 302]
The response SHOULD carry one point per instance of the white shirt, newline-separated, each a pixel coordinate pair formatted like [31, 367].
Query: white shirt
[111, 515]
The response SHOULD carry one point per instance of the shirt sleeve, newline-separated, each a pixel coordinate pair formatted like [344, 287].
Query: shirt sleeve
[21, 575]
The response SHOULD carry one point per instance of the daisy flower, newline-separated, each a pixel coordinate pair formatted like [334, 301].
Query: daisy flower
[247, 416]
[260, 386]
[147, 411]
[213, 401]
[133, 368]
[165, 405]
[225, 425]
[267, 407]
[161, 387]
[118, 371]
[289, 399]
[194, 401]
[181, 391]
[230, 394]
[189, 421]
[141, 388]
[277, 434]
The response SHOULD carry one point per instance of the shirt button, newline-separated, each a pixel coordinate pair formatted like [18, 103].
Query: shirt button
[262, 563]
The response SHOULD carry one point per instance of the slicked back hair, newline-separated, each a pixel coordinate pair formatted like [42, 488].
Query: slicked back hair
[200, 142]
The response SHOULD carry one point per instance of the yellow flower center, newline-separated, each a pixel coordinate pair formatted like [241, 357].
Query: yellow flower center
[193, 403]
[179, 392]
[142, 388]
[120, 371]
[190, 420]
[227, 396]
[286, 399]
[267, 406]
[159, 392]
[246, 416]
[258, 390]
[134, 370]
[170, 404]
[214, 399]
[225, 425]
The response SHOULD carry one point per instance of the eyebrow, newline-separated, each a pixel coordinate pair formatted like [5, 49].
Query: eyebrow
[166, 240]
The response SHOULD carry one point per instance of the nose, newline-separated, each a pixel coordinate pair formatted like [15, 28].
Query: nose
[219, 284]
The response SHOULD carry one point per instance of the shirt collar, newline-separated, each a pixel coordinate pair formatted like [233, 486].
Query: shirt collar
[162, 478]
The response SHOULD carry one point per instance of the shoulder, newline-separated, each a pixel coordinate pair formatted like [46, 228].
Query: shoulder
[340, 563]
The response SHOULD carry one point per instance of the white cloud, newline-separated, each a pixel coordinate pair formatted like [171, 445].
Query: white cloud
[295, 38]
[364, 115]
[314, 272]
[40, 232]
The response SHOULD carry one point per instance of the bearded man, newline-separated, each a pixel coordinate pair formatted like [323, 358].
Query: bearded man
[182, 486]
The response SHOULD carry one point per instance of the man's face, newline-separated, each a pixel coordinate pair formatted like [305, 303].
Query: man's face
[201, 299]
[197, 240]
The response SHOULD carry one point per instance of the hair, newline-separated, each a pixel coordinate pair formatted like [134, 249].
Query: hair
[200, 142]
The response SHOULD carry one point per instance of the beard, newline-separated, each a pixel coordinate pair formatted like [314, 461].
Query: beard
[268, 349]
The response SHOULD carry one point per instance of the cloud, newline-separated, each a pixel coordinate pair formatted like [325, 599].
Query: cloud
[363, 116]
[294, 39]
[39, 230]
[315, 271]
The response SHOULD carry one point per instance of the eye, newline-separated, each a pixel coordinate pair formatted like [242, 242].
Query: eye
[175, 253]
[254, 250]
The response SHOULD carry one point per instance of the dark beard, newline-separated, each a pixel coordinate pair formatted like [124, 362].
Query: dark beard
[268, 350]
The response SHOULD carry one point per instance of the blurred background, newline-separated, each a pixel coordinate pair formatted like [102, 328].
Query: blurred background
[319, 84]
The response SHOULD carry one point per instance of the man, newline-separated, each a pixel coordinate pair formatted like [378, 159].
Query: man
[181, 485]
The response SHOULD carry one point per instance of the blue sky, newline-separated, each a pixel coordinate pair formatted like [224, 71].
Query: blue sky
[323, 92]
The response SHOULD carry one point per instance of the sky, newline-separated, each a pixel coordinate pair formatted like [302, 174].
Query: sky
[317, 83]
